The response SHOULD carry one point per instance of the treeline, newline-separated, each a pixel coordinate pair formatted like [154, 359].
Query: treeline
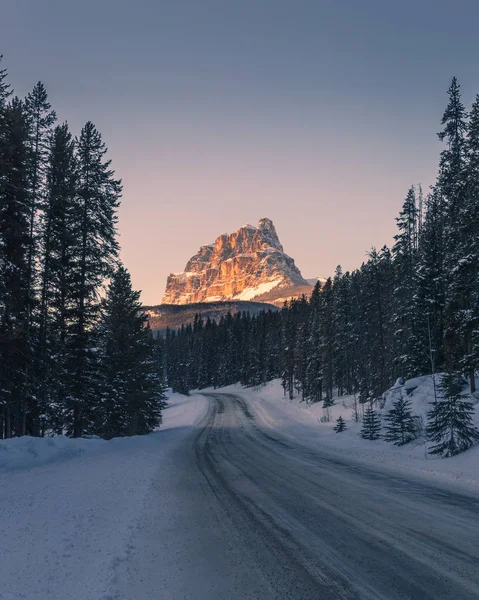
[407, 311]
[236, 349]
[72, 359]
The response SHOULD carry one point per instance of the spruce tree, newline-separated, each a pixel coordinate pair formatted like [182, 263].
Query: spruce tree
[40, 119]
[59, 252]
[327, 337]
[132, 395]
[314, 371]
[405, 259]
[377, 344]
[288, 345]
[450, 422]
[371, 425]
[340, 425]
[452, 186]
[430, 290]
[328, 402]
[97, 202]
[344, 339]
[462, 306]
[5, 91]
[400, 427]
[452, 161]
[15, 352]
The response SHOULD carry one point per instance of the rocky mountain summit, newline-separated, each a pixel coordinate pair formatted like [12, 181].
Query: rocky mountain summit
[247, 264]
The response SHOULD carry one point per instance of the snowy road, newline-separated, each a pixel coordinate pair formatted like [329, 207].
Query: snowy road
[261, 517]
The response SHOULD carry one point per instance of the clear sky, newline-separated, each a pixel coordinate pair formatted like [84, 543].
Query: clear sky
[318, 114]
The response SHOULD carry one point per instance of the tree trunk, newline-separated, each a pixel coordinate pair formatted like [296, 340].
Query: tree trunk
[77, 430]
[8, 423]
[472, 381]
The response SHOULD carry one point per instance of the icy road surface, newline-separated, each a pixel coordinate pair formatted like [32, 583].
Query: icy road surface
[258, 516]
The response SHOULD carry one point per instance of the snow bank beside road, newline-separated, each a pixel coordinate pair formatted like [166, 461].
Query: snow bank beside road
[301, 422]
[29, 452]
[70, 507]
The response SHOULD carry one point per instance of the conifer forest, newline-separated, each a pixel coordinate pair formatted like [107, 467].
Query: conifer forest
[75, 355]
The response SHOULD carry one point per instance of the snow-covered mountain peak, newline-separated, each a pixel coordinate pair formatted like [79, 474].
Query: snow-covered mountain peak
[249, 263]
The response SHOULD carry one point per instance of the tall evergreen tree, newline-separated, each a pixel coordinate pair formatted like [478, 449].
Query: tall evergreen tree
[462, 306]
[58, 262]
[377, 291]
[452, 161]
[404, 254]
[5, 90]
[14, 297]
[98, 200]
[132, 394]
[452, 184]
[314, 366]
[40, 120]
[326, 326]
[430, 293]
[440, 230]
[289, 340]
[342, 332]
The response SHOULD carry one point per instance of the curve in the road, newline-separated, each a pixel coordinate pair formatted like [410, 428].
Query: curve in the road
[336, 530]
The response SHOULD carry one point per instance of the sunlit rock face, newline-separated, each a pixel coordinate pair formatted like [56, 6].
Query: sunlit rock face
[247, 264]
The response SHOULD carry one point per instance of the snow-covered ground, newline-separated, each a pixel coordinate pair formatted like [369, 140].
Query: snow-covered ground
[302, 422]
[69, 508]
[72, 509]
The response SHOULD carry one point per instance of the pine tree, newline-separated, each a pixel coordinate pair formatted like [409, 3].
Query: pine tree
[452, 185]
[358, 334]
[58, 262]
[400, 427]
[14, 297]
[300, 352]
[343, 363]
[5, 418]
[340, 425]
[450, 422]
[405, 259]
[377, 342]
[288, 345]
[97, 203]
[327, 337]
[40, 119]
[430, 291]
[452, 161]
[314, 371]
[328, 402]
[5, 91]
[132, 394]
[371, 425]
[462, 306]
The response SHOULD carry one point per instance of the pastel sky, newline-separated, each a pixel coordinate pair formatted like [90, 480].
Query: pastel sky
[318, 114]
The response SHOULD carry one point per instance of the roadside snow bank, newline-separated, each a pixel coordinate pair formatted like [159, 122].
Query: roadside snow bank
[302, 423]
[69, 507]
[29, 452]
